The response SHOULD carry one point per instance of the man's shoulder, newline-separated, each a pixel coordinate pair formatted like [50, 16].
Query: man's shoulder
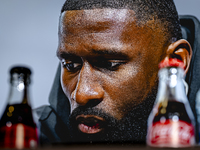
[44, 119]
[50, 126]
[42, 112]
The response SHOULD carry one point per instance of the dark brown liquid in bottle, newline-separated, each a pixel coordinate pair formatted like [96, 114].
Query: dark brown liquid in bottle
[13, 116]
[173, 108]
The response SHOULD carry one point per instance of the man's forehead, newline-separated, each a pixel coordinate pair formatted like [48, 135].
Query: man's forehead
[107, 26]
[94, 16]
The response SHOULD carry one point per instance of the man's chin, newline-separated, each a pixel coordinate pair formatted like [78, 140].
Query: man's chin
[91, 125]
[111, 132]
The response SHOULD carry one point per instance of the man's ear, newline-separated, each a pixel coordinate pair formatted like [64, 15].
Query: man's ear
[181, 50]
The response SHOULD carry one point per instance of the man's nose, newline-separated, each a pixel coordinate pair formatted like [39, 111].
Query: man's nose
[88, 89]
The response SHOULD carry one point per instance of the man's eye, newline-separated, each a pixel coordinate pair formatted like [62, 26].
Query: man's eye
[110, 64]
[71, 66]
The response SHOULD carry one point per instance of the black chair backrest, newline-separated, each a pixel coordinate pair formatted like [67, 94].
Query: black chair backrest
[190, 26]
[191, 32]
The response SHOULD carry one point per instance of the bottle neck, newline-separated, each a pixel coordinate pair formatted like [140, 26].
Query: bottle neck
[18, 90]
[171, 85]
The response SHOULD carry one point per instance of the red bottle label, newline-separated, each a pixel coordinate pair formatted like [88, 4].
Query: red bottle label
[18, 136]
[171, 134]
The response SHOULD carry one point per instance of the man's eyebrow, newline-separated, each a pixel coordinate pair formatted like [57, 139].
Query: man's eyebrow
[64, 55]
[106, 52]
[95, 53]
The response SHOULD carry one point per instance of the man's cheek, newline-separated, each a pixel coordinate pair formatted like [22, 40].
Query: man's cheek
[68, 86]
[64, 88]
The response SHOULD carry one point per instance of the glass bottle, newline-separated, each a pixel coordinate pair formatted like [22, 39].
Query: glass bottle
[17, 127]
[171, 122]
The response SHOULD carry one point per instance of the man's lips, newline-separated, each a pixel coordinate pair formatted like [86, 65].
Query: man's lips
[90, 124]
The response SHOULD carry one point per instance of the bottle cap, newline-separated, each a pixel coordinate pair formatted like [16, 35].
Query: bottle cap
[171, 62]
[20, 69]
[23, 73]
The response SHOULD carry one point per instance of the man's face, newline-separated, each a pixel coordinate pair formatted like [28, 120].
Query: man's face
[109, 65]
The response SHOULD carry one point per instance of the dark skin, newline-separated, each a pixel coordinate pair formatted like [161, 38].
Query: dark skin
[110, 63]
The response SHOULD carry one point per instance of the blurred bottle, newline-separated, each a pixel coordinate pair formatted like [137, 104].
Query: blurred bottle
[198, 114]
[17, 128]
[171, 122]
